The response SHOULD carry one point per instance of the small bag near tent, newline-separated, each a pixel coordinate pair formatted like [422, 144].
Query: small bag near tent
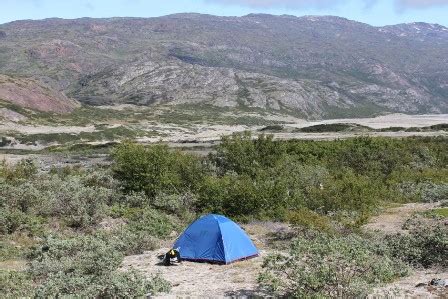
[217, 239]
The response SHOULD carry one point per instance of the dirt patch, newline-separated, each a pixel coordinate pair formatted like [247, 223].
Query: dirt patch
[208, 280]
[384, 121]
[10, 115]
[200, 279]
[392, 220]
[13, 265]
[415, 286]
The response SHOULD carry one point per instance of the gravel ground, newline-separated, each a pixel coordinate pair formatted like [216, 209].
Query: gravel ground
[199, 280]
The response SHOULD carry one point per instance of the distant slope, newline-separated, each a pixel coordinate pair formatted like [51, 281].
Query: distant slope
[34, 95]
[311, 66]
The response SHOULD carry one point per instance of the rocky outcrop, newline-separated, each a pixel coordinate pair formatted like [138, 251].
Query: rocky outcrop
[310, 66]
[30, 94]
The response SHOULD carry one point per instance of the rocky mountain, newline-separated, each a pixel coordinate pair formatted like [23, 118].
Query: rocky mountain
[311, 66]
[34, 95]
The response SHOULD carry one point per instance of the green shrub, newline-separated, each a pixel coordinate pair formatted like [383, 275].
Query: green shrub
[240, 154]
[242, 197]
[376, 157]
[15, 284]
[86, 267]
[72, 199]
[307, 219]
[437, 213]
[136, 200]
[425, 244]
[155, 169]
[79, 205]
[347, 191]
[24, 169]
[177, 204]
[321, 128]
[423, 191]
[320, 266]
[151, 222]
[12, 220]
[133, 242]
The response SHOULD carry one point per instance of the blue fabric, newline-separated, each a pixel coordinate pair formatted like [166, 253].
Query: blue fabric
[215, 238]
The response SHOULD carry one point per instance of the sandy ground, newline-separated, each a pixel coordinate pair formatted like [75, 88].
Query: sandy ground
[407, 287]
[45, 161]
[392, 220]
[203, 280]
[200, 279]
[385, 121]
[172, 133]
[389, 222]
[26, 129]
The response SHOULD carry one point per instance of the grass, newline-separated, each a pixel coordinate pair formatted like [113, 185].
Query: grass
[439, 212]
[184, 114]
[438, 127]
[106, 134]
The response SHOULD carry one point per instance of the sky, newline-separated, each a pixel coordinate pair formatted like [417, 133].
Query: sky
[374, 12]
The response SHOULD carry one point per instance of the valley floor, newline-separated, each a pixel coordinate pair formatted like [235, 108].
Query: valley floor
[39, 137]
[201, 280]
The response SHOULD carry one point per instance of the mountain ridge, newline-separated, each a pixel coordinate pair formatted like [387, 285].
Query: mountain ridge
[314, 66]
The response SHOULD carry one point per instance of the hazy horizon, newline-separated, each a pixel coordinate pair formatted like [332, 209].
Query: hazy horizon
[372, 12]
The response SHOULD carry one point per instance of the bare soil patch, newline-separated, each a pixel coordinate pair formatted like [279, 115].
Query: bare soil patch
[192, 280]
[392, 220]
[415, 286]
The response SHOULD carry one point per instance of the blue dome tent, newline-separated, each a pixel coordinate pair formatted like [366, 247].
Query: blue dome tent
[215, 238]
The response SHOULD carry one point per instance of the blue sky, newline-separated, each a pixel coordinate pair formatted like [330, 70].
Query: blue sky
[375, 12]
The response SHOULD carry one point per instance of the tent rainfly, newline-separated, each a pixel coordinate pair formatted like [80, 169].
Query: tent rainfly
[215, 238]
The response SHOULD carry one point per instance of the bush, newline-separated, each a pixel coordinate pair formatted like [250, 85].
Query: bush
[177, 204]
[150, 221]
[15, 284]
[319, 266]
[115, 285]
[133, 242]
[425, 244]
[86, 267]
[81, 206]
[307, 219]
[347, 191]
[24, 169]
[12, 220]
[155, 169]
[78, 204]
[240, 154]
[423, 191]
[23, 197]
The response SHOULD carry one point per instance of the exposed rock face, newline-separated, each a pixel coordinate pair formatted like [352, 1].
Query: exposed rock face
[31, 94]
[10, 115]
[311, 66]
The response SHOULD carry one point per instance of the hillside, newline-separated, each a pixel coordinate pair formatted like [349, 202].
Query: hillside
[34, 95]
[313, 67]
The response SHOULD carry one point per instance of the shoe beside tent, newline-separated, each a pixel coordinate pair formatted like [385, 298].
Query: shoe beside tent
[215, 238]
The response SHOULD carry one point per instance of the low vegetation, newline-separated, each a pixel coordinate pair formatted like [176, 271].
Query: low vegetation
[73, 226]
[319, 265]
